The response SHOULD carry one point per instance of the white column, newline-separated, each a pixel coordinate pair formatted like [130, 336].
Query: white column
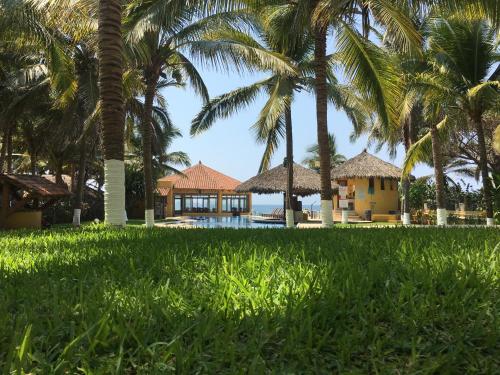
[345, 217]
[290, 218]
[490, 221]
[406, 218]
[327, 213]
[76, 217]
[442, 216]
[114, 195]
[149, 215]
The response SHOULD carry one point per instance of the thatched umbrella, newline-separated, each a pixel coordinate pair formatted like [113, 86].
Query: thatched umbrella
[305, 181]
[366, 165]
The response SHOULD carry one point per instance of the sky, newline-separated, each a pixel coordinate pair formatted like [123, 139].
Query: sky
[229, 146]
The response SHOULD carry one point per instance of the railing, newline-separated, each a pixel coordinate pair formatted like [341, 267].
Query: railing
[428, 217]
[312, 215]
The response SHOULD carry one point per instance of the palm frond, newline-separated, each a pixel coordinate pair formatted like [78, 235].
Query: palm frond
[274, 135]
[225, 105]
[371, 72]
[421, 149]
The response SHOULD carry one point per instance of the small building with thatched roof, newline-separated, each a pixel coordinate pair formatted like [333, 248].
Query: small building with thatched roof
[368, 186]
[305, 181]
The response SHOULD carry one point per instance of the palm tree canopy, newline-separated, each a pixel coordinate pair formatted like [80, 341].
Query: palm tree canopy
[312, 159]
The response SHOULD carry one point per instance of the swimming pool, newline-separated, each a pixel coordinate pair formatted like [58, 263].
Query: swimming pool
[231, 222]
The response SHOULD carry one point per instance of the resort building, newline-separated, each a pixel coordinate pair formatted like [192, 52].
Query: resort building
[368, 188]
[200, 191]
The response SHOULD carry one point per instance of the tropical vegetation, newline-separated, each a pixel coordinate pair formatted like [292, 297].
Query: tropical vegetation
[90, 75]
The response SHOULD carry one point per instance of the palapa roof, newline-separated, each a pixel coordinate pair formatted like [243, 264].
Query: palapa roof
[305, 181]
[36, 185]
[365, 165]
[202, 177]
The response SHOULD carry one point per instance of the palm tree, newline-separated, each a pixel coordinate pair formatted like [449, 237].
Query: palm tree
[110, 54]
[160, 48]
[466, 50]
[312, 160]
[456, 87]
[364, 63]
[275, 119]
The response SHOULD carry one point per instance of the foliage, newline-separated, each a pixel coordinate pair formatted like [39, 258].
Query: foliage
[312, 159]
[423, 190]
[254, 301]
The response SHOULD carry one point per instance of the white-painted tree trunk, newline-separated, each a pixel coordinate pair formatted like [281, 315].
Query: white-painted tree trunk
[114, 195]
[442, 216]
[290, 218]
[345, 217]
[490, 221]
[406, 219]
[76, 217]
[327, 213]
[150, 218]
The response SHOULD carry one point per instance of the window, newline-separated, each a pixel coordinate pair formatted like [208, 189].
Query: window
[382, 183]
[213, 203]
[178, 203]
[392, 185]
[200, 203]
[371, 185]
[235, 203]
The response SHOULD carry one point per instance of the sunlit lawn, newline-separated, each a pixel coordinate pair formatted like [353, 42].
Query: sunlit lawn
[397, 301]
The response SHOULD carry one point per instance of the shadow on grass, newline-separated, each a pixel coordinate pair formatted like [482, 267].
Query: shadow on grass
[226, 301]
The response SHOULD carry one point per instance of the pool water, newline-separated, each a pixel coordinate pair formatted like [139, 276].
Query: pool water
[231, 222]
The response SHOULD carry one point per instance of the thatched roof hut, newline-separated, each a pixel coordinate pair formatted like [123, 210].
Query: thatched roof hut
[366, 165]
[305, 181]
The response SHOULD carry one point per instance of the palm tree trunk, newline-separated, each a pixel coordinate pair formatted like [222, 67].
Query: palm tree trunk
[59, 172]
[147, 154]
[3, 151]
[110, 53]
[320, 67]
[407, 181]
[9, 151]
[483, 165]
[80, 183]
[33, 159]
[439, 176]
[290, 214]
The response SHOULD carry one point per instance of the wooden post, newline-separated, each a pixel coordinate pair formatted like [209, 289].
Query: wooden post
[219, 202]
[5, 203]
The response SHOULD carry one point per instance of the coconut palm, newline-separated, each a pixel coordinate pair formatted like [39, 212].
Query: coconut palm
[453, 43]
[364, 63]
[312, 159]
[275, 119]
[161, 54]
[161, 49]
[110, 54]
[460, 88]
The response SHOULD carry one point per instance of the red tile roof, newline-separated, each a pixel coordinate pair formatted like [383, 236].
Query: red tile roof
[202, 177]
[162, 191]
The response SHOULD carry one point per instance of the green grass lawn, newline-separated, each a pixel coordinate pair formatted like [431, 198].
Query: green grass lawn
[136, 301]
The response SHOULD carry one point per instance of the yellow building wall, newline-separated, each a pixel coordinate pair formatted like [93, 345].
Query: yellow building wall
[24, 219]
[380, 202]
[169, 209]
